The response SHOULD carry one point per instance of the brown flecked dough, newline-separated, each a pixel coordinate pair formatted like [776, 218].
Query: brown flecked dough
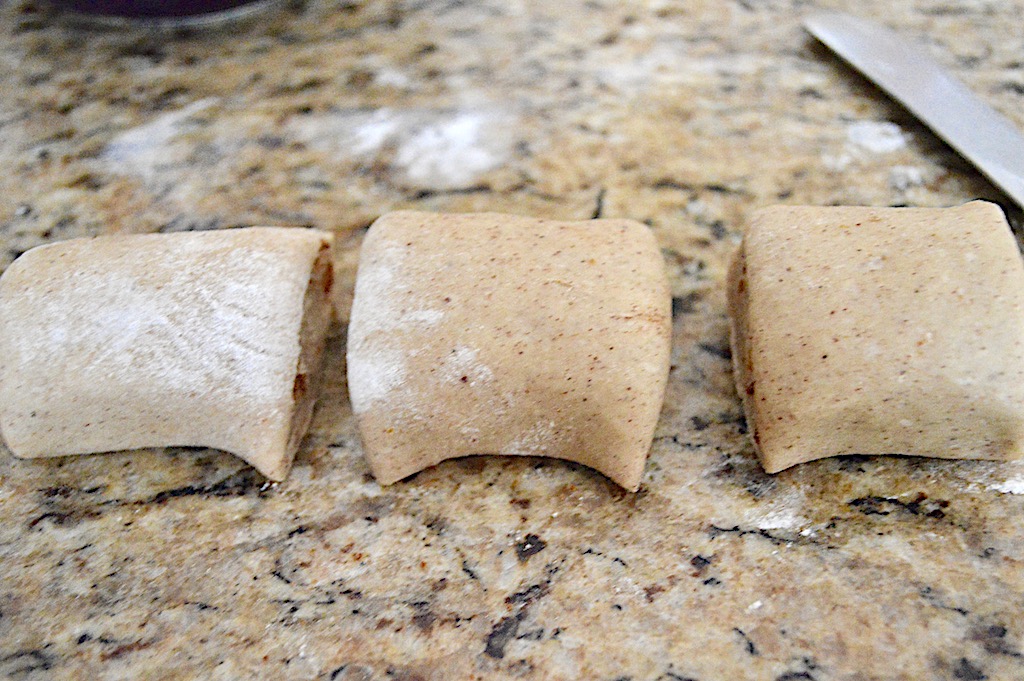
[207, 339]
[879, 331]
[496, 334]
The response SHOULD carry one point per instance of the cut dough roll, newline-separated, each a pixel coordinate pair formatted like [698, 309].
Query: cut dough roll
[880, 331]
[207, 339]
[494, 334]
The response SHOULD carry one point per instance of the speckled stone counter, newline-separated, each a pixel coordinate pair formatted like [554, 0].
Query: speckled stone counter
[187, 564]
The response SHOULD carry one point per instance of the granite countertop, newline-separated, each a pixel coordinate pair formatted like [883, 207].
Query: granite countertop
[687, 115]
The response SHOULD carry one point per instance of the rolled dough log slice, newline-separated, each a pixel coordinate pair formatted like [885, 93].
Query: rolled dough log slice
[880, 331]
[192, 339]
[494, 334]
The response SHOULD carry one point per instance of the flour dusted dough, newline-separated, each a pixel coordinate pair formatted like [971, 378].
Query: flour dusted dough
[493, 334]
[191, 339]
[878, 331]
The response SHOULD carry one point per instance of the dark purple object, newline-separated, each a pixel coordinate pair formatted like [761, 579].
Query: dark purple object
[150, 9]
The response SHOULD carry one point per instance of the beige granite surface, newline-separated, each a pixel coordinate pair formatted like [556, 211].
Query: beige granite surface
[687, 115]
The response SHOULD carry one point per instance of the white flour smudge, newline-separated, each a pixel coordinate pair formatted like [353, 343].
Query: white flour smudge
[631, 73]
[450, 151]
[877, 137]
[1006, 477]
[535, 441]
[874, 137]
[1011, 486]
[778, 519]
[425, 317]
[902, 178]
[377, 359]
[392, 78]
[464, 363]
[144, 149]
[665, 63]
[780, 514]
[429, 148]
[837, 163]
[370, 136]
[373, 375]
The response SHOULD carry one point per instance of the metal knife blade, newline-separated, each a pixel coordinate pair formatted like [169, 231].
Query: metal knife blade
[944, 104]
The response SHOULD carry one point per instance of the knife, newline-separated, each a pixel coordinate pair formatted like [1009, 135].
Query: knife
[944, 104]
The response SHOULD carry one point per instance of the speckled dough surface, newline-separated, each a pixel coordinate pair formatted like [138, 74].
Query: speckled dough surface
[123, 342]
[498, 334]
[685, 115]
[880, 331]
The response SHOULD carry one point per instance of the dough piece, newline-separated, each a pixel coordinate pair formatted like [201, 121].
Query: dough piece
[880, 331]
[190, 339]
[494, 334]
